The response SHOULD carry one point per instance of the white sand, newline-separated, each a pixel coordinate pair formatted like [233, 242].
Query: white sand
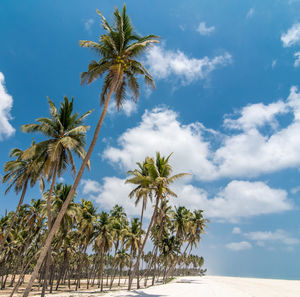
[211, 286]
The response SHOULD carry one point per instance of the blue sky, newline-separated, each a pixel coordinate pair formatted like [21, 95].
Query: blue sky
[227, 105]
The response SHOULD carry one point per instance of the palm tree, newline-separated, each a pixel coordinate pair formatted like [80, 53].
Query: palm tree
[142, 191]
[119, 48]
[158, 180]
[119, 224]
[103, 240]
[19, 173]
[189, 228]
[66, 134]
[86, 228]
[133, 239]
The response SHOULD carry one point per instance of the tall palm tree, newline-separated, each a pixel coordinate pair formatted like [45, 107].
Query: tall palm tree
[158, 180]
[19, 173]
[66, 134]
[118, 49]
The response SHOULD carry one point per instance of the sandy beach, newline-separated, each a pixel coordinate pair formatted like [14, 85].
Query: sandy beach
[209, 286]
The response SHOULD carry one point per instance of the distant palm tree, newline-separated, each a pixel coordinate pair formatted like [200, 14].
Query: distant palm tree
[118, 49]
[133, 240]
[103, 240]
[158, 180]
[19, 173]
[142, 191]
[86, 228]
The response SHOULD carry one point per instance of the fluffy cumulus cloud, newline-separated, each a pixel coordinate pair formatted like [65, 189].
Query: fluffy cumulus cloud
[164, 63]
[278, 237]
[160, 130]
[257, 115]
[292, 36]
[251, 152]
[6, 103]
[239, 199]
[239, 246]
[245, 150]
[205, 30]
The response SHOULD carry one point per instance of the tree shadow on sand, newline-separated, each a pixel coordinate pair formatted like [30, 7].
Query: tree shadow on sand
[139, 294]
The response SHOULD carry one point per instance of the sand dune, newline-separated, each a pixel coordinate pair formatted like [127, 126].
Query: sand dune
[211, 286]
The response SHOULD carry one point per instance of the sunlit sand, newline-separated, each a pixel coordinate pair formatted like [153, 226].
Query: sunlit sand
[210, 286]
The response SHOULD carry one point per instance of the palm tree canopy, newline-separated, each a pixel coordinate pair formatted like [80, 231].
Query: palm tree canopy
[66, 134]
[118, 49]
[21, 170]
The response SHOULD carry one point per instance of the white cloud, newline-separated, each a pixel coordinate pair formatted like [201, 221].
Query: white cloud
[250, 13]
[239, 199]
[128, 108]
[236, 230]
[163, 63]
[239, 246]
[112, 191]
[204, 30]
[297, 59]
[274, 63]
[246, 151]
[6, 103]
[90, 186]
[161, 131]
[251, 152]
[257, 115]
[88, 24]
[279, 237]
[292, 36]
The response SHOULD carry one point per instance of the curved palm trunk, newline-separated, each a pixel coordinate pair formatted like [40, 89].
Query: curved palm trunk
[137, 263]
[49, 215]
[4, 238]
[69, 198]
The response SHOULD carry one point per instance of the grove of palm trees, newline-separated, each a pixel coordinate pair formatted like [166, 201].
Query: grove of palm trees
[63, 242]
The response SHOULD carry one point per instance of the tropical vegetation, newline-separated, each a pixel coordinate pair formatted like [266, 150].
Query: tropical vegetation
[65, 242]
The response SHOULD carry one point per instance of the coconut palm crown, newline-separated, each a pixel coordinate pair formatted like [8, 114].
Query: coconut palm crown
[118, 49]
[66, 134]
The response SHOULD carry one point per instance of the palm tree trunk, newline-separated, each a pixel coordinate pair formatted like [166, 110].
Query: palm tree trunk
[4, 238]
[143, 245]
[101, 271]
[49, 215]
[68, 200]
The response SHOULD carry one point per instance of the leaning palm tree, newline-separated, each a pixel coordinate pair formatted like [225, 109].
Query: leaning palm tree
[66, 134]
[19, 173]
[118, 49]
[158, 180]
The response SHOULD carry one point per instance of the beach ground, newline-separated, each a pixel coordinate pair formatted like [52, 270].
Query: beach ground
[207, 286]
[210, 286]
